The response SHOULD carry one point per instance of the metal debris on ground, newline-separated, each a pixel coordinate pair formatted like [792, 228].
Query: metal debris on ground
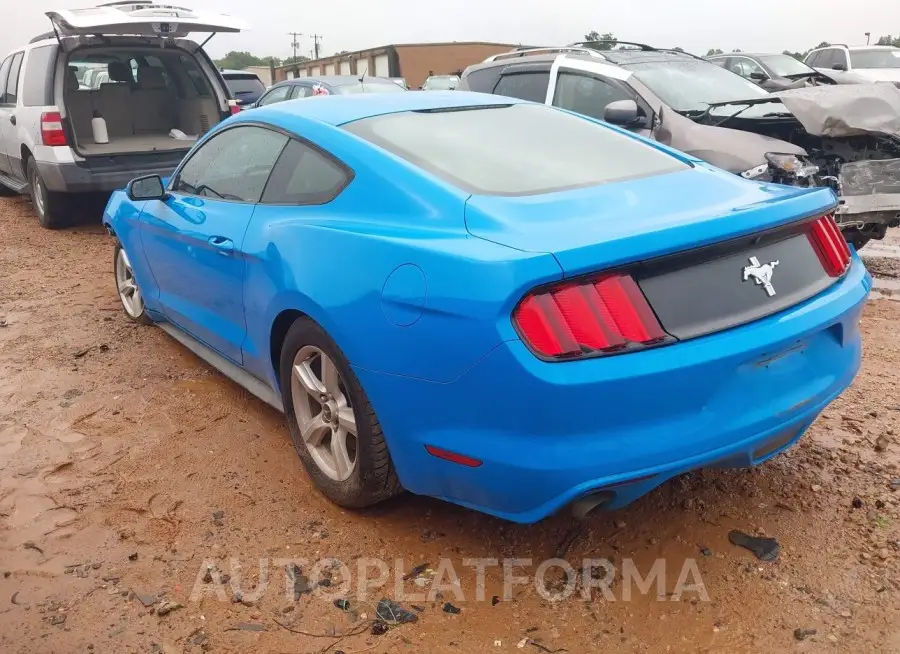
[449, 608]
[392, 613]
[765, 549]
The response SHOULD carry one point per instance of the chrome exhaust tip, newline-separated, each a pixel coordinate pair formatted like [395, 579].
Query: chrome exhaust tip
[587, 504]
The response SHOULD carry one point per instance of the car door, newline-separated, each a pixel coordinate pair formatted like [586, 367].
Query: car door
[7, 129]
[588, 87]
[193, 240]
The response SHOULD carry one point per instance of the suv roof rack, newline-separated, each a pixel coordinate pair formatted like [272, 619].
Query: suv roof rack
[522, 52]
[641, 46]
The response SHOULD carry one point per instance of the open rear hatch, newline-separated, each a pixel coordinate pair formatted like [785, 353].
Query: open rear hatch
[140, 19]
[708, 251]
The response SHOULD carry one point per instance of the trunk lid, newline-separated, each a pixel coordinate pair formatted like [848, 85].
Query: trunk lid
[691, 240]
[141, 19]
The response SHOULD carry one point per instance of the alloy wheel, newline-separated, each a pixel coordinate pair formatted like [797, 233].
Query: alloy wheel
[127, 286]
[323, 412]
[37, 193]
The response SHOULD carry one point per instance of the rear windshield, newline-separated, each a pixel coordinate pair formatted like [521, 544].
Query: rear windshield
[368, 87]
[243, 84]
[785, 65]
[520, 149]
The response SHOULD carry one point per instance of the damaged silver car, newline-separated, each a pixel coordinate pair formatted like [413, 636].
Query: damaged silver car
[845, 137]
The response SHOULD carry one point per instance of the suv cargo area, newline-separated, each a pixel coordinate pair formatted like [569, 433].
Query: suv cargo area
[143, 94]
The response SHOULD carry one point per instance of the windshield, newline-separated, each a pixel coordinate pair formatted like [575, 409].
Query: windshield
[448, 83]
[689, 86]
[379, 86]
[244, 84]
[875, 58]
[519, 149]
[785, 65]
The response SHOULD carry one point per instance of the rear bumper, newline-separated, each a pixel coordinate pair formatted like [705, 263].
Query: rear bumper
[549, 433]
[81, 178]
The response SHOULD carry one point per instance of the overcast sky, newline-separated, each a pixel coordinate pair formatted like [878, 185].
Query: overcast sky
[695, 25]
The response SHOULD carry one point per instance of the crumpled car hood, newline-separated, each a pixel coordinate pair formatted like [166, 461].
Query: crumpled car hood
[842, 110]
[730, 149]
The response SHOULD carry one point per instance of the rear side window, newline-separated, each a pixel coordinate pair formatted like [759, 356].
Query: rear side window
[196, 75]
[232, 165]
[12, 82]
[482, 81]
[4, 75]
[37, 89]
[525, 86]
[519, 149]
[303, 175]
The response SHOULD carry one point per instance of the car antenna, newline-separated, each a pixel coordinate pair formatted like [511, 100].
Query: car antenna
[365, 70]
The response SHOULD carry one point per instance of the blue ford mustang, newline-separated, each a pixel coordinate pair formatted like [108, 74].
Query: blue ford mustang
[493, 302]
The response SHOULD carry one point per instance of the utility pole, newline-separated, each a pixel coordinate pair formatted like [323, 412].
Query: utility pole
[316, 38]
[868, 37]
[295, 43]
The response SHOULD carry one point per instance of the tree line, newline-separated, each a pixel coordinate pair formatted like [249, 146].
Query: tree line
[238, 60]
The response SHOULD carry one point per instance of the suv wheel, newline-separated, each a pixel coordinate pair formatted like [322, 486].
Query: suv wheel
[47, 205]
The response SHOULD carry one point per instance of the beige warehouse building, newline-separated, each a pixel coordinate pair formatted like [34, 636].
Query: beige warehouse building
[412, 61]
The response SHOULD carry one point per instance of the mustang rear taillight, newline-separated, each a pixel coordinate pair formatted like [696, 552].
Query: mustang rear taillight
[830, 245]
[593, 317]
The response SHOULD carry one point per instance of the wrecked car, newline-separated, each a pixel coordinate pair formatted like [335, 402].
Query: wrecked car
[843, 137]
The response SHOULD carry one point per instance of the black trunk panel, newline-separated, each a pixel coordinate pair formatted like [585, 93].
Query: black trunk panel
[703, 291]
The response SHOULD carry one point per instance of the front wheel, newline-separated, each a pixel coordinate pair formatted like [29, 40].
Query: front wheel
[127, 288]
[333, 426]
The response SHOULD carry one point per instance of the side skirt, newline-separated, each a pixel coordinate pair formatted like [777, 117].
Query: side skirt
[226, 367]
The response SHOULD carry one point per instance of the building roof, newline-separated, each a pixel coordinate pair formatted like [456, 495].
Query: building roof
[332, 57]
[340, 109]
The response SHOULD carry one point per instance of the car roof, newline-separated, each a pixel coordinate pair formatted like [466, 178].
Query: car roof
[226, 71]
[621, 57]
[334, 80]
[341, 109]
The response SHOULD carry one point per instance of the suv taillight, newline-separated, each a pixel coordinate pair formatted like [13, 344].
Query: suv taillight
[234, 107]
[830, 245]
[594, 317]
[51, 129]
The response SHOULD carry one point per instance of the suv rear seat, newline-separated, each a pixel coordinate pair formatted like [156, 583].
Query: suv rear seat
[78, 105]
[113, 100]
[153, 105]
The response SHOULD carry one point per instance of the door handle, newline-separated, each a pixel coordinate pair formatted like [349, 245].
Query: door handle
[222, 244]
[12, 119]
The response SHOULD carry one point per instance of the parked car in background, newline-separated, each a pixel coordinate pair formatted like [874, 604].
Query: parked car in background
[857, 64]
[846, 137]
[246, 88]
[401, 81]
[141, 90]
[441, 83]
[773, 72]
[622, 290]
[307, 87]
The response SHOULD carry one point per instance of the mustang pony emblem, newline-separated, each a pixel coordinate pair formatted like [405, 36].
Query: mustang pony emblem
[761, 274]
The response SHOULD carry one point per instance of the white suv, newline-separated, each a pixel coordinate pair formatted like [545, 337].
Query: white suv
[125, 62]
[857, 64]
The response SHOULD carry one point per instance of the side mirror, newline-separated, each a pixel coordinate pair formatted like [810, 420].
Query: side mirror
[146, 188]
[621, 112]
[758, 76]
[839, 67]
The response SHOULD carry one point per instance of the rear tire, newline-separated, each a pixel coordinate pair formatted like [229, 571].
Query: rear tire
[47, 205]
[318, 385]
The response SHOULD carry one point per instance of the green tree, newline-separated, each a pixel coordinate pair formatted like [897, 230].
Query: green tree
[823, 44]
[609, 37]
[239, 60]
[889, 40]
[677, 49]
[713, 51]
[737, 50]
[299, 59]
[799, 56]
